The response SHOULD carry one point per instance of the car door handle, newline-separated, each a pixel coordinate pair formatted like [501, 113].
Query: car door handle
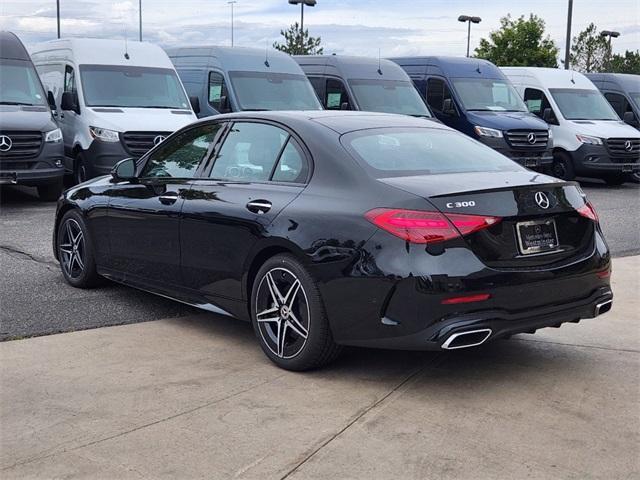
[259, 206]
[168, 198]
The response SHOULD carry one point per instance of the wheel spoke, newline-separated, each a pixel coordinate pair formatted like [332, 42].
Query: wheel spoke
[296, 326]
[79, 261]
[282, 332]
[273, 289]
[261, 316]
[291, 294]
[78, 238]
[66, 248]
[69, 232]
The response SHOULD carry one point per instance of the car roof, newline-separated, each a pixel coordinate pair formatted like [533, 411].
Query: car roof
[338, 121]
[552, 77]
[455, 66]
[352, 67]
[11, 47]
[625, 81]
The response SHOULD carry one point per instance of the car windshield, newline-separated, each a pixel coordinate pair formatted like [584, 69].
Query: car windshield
[133, 87]
[389, 152]
[389, 96]
[488, 95]
[578, 104]
[19, 84]
[273, 91]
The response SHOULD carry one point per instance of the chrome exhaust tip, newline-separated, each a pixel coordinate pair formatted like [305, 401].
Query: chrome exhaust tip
[603, 307]
[471, 338]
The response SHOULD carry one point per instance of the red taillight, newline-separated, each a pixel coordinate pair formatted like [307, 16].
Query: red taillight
[480, 297]
[417, 226]
[604, 273]
[588, 211]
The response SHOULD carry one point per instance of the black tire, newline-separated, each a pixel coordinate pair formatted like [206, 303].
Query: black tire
[562, 166]
[81, 171]
[51, 191]
[634, 177]
[80, 273]
[615, 180]
[304, 310]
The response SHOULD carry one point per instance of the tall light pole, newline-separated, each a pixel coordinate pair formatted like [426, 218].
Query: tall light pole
[567, 47]
[140, 18]
[469, 20]
[58, 16]
[232, 3]
[609, 33]
[308, 3]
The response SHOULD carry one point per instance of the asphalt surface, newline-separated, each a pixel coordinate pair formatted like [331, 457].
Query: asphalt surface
[35, 300]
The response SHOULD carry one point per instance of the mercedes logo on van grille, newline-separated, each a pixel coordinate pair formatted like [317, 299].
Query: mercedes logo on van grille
[628, 146]
[5, 143]
[158, 139]
[542, 200]
[531, 138]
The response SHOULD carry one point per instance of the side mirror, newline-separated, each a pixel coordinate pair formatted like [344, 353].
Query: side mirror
[630, 118]
[344, 106]
[70, 102]
[448, 108]
[195, 104]
[51, 101]
[124, 170]
[225, 104]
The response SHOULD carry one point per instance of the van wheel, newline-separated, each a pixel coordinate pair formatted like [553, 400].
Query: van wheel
[50, 192]
[562, 166]
[80, 172]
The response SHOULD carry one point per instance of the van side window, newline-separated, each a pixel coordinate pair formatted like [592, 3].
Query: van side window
[437, 93]
[537, 102]
[336, 95]
[69, 79]
[318, 85]
[218, 95]
[619, 103]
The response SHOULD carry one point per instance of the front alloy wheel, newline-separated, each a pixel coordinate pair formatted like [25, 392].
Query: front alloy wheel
[72, 249]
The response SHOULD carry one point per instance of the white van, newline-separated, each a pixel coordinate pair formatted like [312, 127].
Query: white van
[589, 138]
[115, 99]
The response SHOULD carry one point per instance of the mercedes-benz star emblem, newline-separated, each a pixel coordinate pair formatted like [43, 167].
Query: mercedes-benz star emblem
[542, 200]
[158, 139]
[628, 146]
[531, 138]
[5, 143]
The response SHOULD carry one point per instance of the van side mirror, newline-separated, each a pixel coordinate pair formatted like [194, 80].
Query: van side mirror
[69, 101]
[124, 170]
[195, 104]
[344, 106]
[51, 101]
[630, 118]
[448, 107]
[225, 104]
[549, 117]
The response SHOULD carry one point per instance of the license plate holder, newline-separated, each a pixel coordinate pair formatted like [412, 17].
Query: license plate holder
[627, 168]
[537, 236]
[531, 162]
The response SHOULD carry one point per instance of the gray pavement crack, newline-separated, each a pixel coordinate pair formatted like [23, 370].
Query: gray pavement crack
[361, 414]
[16, 251]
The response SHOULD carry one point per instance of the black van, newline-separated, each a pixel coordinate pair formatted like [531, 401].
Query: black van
[31, 149]
[476, 98]
[361, 83]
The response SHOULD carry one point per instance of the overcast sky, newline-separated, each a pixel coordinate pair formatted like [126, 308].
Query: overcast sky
[356, 27]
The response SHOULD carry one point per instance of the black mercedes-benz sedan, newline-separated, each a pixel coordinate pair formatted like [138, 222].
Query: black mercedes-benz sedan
[341, 228]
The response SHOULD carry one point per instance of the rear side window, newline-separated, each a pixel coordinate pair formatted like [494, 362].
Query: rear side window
[389, 152]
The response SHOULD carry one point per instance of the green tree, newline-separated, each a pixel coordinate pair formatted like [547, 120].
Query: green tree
[627, 63]
[589, 51]
[297, 42]
[520, 42]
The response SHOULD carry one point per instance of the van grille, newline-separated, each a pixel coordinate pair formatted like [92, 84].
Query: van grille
[24, 145]
[521, 138]
[620, 147]
[139, 143]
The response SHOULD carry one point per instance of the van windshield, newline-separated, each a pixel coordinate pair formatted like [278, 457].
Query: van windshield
[635, 96]
[19, 84]
[389, 96]
[482, 94]
[133, 87]
[578, 104]
[273, 91]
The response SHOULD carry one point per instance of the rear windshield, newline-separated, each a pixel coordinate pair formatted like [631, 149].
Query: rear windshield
[389, 96]
[389, 152]
[274, 91]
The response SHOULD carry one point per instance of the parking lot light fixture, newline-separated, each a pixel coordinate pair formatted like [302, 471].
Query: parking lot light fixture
[302, 3]
[610, 34]
[469, 20]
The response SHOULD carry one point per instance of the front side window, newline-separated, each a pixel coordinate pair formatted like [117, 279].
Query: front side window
[536, 102]
[258, 152]
[218, 95]
[69, 79]
[618, 102]
[437, 93]
[389, 152]
[180, 156]
[483, 94]
[134, 87]
[273, 91]
[336, 95]
[19, 84]
[389, 96]
[577, 104]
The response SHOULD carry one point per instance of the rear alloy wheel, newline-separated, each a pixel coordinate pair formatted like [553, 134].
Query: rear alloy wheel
[288, 316]
[50, 192]
[562, 166]
[75, 252]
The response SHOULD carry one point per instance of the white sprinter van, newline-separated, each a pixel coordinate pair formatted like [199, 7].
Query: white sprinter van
[589, 138]
[115, 99]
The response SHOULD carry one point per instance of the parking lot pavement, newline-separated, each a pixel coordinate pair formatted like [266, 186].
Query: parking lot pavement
[34, 299]
[196, 398]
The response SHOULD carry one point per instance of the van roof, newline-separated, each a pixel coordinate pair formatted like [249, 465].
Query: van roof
[349, 67]
[552, 77]
[233, 59]
[462, 67]
[96, 51]
[624, 81]
[11, 47]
